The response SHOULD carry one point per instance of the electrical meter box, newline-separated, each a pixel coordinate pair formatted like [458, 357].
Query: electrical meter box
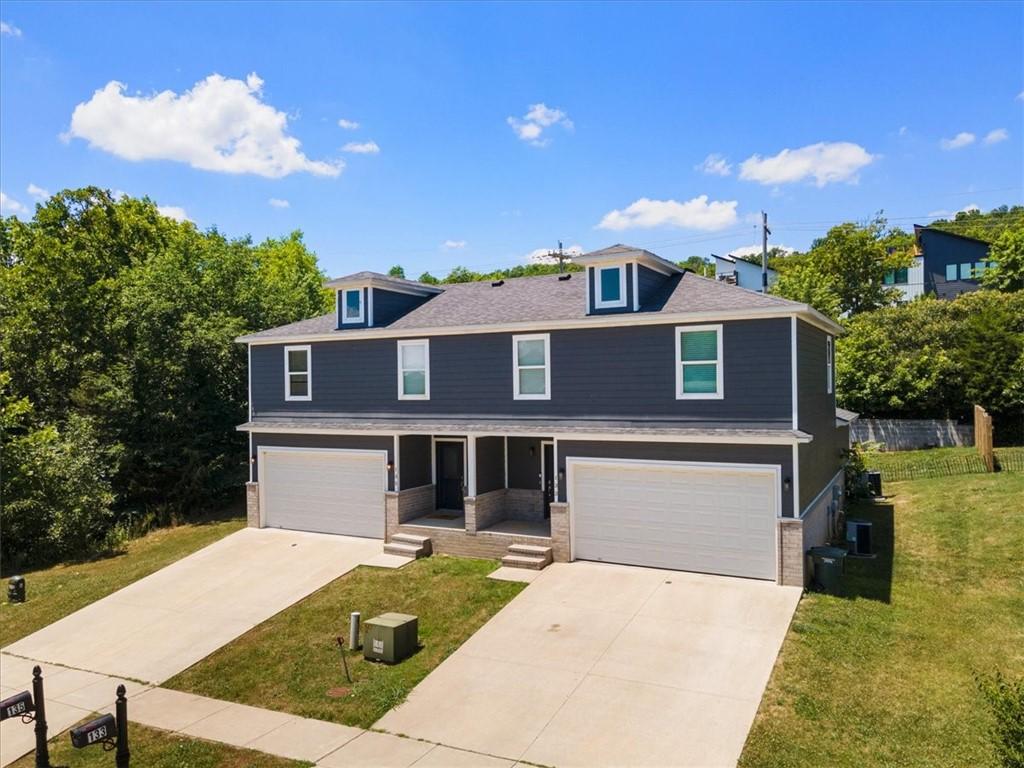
[390, 637]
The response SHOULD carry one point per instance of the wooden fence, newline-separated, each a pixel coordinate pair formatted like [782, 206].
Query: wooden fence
[983, 438]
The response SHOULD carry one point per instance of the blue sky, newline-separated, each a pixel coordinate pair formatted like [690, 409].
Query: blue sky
[501, 129]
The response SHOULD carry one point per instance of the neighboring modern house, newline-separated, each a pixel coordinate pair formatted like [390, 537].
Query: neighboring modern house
[745, 274]
[945, 265]
[632, 412]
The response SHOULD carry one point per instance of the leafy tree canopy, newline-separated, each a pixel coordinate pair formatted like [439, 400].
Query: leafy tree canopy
[397, 271]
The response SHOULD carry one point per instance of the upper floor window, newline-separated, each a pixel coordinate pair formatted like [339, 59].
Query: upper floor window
[298, 371]
[699, 362]
[966, 271]
[829, 356]
[531, 364]
[352, 305]
[414, 370]
[950, 273]
[611, 287]
[897, 276]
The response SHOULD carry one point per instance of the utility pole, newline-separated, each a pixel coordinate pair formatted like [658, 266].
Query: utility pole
[561, 258]
[764, 252]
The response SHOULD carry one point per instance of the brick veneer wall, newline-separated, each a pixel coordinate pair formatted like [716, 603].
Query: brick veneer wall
[252, 504]
[793, 560]
[406, 505]
[524, 504]
[492, 546]
[484, 510]
[560, 532]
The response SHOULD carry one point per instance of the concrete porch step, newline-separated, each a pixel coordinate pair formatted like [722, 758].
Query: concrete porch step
[533, 550]
[413, 539]
[407, 550]
[526, 561]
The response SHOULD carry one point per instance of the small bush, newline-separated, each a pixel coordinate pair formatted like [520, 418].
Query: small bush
[1005, 698]
[853, 472]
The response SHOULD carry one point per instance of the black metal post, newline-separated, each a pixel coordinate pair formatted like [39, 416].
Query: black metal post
[42, 751]
[123, 755]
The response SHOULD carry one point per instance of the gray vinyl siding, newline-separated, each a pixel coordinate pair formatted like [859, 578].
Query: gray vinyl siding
[820, 459]
[592, 290]
[620, 372]
[524, 466]
[651, 284]
[351, 442]
[341, 310]
[781, 455]
[490, 464]
[414, 467]
[388, 306]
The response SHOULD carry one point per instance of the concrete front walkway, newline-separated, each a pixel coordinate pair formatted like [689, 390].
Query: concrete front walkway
[166, 622]
[605, 665]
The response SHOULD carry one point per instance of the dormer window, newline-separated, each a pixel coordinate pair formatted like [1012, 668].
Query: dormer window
[352, 305]
[611, 287]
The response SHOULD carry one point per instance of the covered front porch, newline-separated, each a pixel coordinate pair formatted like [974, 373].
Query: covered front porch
[496, 488]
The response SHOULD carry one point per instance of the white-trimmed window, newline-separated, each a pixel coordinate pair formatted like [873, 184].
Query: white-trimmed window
[351, 305]
[298, 373]
[610, 287]
[829, 364]
[531, 367]
[699, 362]
[414, 369]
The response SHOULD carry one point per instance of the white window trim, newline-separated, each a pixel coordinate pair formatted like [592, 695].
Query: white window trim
[546, 338]
[829, 364]
[345, 320]
[288, 396]
[719, 392]
[621, 301]
[425, 343]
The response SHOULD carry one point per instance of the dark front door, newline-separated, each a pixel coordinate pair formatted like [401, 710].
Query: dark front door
[450, 474]
[549, 477]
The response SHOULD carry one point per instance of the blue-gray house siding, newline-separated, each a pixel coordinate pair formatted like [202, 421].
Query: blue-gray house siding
[942, 249]
[596, 373]
[821, 458]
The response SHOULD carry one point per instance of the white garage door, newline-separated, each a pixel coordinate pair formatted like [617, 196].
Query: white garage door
[685, 517]
[325, 491]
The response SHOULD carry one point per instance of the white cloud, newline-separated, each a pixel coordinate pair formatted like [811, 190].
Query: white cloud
[348, 125]
[825, 162]
[38, 193]
[173, 212]
[962, 139]
[6, 28]
[969, 208]
[220, 125]
[531, 126]
[996, 135]
[10, 206]
[714, 165]
[550, 255]
[361, 148]
[276, 202]
[903, 131]
[450, 244]
[1020, 96]
[697, 213]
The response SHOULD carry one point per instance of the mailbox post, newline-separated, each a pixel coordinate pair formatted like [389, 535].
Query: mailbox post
[123, 754]
[108, 730]
[42, 750]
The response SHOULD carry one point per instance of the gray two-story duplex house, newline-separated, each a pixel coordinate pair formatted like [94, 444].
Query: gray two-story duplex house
[632, 412]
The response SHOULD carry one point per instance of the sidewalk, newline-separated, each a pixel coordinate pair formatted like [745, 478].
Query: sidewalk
[72, 695]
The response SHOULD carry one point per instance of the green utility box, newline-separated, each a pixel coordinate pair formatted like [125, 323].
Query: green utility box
[390, 637]
[829, 564]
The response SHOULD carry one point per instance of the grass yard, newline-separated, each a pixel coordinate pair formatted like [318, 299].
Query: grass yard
[291, 661]
[60, 590]
[156, 749]
[939, 462]
[884, 676]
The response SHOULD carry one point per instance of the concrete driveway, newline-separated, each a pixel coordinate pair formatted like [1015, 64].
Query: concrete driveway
[606, 665]
[166, 622]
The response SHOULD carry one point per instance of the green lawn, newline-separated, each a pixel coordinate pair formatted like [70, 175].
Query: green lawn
[151, 748]
[62, 589]
[938, 462]
[884, 676]
[291, 661]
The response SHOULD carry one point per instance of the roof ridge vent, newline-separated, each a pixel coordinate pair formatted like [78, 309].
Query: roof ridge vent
[497, 283]
[566, 276]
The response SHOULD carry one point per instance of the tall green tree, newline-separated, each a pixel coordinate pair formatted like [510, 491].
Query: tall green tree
[1007, 254]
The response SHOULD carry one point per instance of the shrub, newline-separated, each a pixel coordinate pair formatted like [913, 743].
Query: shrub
[1005, 698]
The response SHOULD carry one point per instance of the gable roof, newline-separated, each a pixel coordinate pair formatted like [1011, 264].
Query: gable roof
[620, 252]
[554, 300]
[382, 281]
[918, 229]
